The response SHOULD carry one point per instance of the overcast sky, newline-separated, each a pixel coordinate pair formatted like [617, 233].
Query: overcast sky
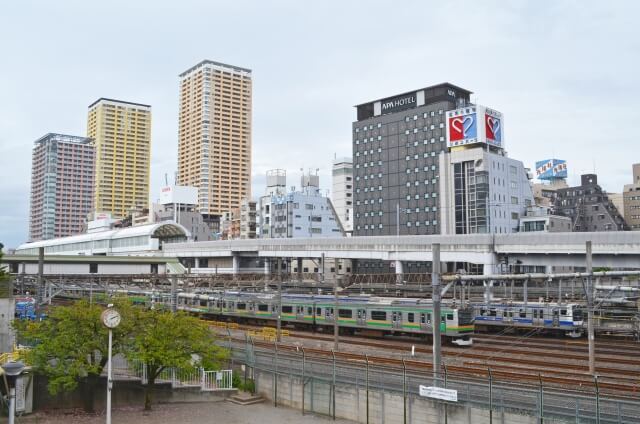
[564, 73]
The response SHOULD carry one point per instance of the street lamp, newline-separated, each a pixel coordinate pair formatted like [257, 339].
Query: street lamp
[12, 370]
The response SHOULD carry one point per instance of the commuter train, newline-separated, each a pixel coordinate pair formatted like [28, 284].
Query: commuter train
[566, 318]
[356, 314]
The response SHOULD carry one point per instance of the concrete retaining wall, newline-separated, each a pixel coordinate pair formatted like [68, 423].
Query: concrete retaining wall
[384, 407]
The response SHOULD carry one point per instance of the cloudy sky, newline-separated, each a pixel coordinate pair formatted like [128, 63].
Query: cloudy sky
[564, 73]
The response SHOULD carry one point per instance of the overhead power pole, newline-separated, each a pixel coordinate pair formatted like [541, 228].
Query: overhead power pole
[435, 284]
[590, 305]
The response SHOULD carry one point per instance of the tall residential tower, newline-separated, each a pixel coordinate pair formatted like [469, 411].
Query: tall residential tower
[62, 179]
[122, 134]
[214, 147]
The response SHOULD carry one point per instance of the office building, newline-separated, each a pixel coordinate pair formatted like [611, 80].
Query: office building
[631, 200]
[342, 193]
[214, 146]
[588, 206]
[62, 184]
[122, 135]
[430, 162]
[299, 213]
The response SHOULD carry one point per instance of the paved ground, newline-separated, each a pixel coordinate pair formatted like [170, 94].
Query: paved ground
[188, 413]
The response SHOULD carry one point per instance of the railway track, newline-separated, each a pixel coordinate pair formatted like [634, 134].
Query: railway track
[510, 373]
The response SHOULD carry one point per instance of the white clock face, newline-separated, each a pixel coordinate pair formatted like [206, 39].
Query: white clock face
[111, 318]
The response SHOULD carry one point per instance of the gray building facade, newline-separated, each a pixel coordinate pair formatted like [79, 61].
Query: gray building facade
[588, 207]
[396, 144]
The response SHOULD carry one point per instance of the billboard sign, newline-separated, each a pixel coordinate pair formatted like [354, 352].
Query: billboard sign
[179, 194]
[474, 125]
[551, 169]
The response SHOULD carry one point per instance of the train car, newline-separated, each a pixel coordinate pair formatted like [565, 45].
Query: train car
[355, 314]
[566, 318]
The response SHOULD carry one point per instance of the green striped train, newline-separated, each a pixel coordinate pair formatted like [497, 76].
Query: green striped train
[366, 315]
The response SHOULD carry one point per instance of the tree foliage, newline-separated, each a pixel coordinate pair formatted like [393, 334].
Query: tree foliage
[3, 272]
[70, 346]
[163, 339]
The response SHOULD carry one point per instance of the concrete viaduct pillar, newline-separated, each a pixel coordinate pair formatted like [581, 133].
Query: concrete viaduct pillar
[299, 263]
[399, 272]
[236, 264]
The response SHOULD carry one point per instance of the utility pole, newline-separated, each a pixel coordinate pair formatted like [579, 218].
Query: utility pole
[435, 284]
[279, 323]
[590, 306]
[336, 314]
[40, 289]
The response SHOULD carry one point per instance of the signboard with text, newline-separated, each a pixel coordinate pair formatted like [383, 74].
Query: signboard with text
[474, 125]
[551, 169]
[439, 393]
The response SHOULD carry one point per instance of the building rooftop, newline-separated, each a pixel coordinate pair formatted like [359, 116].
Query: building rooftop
[211, 62]
[101, 99]
[444, 84]
[64, 138]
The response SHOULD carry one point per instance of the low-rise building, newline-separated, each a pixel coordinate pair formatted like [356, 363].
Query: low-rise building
[180, 204]
[542, 219]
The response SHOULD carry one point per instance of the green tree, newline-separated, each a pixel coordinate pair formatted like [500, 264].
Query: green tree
[164, 340]
[70, 346]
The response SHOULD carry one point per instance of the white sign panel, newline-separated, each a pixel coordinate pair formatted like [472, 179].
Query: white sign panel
[439, 393]
[179, 194]
[21, 394]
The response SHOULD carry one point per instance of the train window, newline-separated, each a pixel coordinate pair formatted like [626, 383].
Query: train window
[492, 313]
[483, 312]
[263, 308]
[345, 313]
[241, 306]
[428, 317]
[442, 319]
[410, 317]
[287, 309]
[309, 310]
[449, 317]
[523, 313]
[378, 315]
[563, 312]
[328, 311]
[93, 268]
[203, 303]
[318, 311]
[423, 319]
[224, 304]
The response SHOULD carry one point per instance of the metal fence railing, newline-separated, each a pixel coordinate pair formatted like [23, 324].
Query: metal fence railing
[370, 392]
[206, 380]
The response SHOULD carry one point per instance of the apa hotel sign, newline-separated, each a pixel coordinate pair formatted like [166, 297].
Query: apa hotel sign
[398, 103]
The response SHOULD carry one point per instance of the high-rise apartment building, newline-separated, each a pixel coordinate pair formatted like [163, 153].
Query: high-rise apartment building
[342, 193]
[122, 135]
[214, 148]
[631, 200]
[62, 183]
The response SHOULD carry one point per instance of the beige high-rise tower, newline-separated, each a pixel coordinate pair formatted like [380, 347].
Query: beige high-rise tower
[214, 148]
[122, 134]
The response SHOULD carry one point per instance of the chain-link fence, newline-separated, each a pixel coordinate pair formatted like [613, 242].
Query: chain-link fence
[367, 391]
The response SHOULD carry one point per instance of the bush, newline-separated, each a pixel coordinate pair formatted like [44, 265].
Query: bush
[240, 384]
